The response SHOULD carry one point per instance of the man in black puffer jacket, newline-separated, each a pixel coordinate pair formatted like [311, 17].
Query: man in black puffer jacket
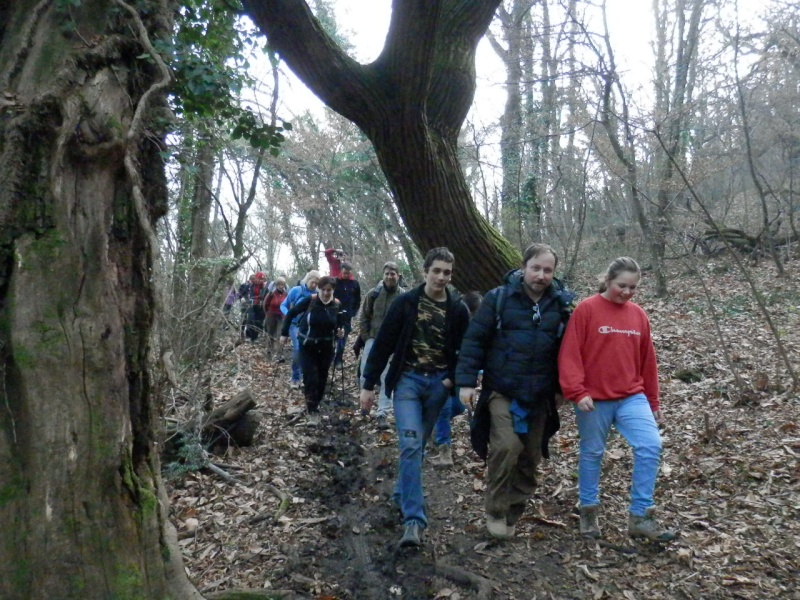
[514, 338]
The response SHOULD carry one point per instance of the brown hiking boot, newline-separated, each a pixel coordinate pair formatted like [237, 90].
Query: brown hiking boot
[589, 526]
[445, 458]
[648, 527]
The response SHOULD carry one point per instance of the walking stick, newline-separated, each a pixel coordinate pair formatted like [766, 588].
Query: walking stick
[342, 400]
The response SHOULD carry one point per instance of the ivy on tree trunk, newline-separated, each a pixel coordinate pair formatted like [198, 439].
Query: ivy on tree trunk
[82, 507]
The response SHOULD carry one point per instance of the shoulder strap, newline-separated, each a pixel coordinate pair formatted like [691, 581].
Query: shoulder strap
[311, 304]
[376, 291]
[499, 305]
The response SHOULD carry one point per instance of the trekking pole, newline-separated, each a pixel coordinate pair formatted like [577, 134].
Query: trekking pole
[332, 380]
[342, 400]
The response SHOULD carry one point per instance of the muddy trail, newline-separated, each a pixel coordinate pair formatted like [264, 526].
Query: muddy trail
[336, 535]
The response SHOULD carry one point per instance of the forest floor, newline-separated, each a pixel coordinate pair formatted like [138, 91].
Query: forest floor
[729, 481]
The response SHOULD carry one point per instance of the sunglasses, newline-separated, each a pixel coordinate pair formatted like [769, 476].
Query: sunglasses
[537, 315]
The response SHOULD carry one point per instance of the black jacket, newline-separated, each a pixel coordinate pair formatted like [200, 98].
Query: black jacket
[397, 331]
[520, 359]
[320, 321]
[348, 292]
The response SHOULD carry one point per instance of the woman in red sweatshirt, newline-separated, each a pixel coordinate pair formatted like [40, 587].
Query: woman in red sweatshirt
[607, 366]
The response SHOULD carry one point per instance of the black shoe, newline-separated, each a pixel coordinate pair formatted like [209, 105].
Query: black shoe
[411, 536]
[382, 424]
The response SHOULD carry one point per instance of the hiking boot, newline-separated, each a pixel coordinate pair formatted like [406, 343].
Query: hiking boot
[382, 423]
[445, 458]
[497, 528]
[589, 526]
[648, 527]
[313, 419]
[412, 536]
[294, 385]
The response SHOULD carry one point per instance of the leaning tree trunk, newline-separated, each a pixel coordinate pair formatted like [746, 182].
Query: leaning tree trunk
[411, 103]
[82, 508]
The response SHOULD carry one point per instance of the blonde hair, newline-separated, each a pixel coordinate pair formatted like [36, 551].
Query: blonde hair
[623, 264]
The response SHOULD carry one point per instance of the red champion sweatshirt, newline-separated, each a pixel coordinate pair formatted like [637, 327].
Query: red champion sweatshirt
[607, 353]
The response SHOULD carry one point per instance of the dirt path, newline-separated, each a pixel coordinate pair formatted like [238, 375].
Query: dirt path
[729, 480]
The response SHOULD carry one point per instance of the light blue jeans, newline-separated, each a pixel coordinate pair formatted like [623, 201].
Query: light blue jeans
[384, 402]
[418, 398]
[635, 422]
[452, 408]
[297, 372]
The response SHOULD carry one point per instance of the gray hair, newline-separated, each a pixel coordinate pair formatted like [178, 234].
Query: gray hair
[313, 274]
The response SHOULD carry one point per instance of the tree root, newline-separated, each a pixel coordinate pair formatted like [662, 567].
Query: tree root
[285, 503]
[459, 575]
[226, 477]
[245, 594]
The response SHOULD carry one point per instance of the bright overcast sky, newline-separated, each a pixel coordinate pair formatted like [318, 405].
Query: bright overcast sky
[365, 23]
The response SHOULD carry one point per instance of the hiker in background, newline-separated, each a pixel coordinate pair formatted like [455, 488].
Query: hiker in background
[255, 313]
[453, 407]
[320, 322]
[230, 300]
[607, 366]
[348, 293]
[274, 316]
[373, 310]
[227, 306]
[335, 257]
[307, 287]
[422, 334]
[514, 338]
[244, 302]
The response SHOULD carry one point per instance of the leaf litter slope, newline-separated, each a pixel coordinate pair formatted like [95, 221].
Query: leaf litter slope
[730, 481]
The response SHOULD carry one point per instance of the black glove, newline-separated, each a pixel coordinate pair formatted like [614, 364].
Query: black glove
[358, 346]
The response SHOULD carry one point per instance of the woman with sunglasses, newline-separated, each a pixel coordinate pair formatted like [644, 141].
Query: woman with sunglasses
[607, 367]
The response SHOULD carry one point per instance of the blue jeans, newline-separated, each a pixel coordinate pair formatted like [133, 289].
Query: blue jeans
[418, 398]
[635, 422]
[452, 408]
[297, 372]
[384, 402]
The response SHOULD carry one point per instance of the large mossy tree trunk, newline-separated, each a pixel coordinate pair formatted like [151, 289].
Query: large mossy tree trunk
[411, 103]
[82, 508]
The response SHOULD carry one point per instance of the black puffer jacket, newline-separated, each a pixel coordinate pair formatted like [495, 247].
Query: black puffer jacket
[396, 333]
[519, 360]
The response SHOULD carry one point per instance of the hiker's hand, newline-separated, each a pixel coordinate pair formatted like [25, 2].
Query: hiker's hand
[283, 340]
[586, 404]
[467, 396]
[657, 416]
[447, 383]
[367, 399]
[340, 333]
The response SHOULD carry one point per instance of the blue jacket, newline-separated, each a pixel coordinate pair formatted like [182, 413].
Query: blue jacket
[397, 331]
[294, 296]
[520, 359]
